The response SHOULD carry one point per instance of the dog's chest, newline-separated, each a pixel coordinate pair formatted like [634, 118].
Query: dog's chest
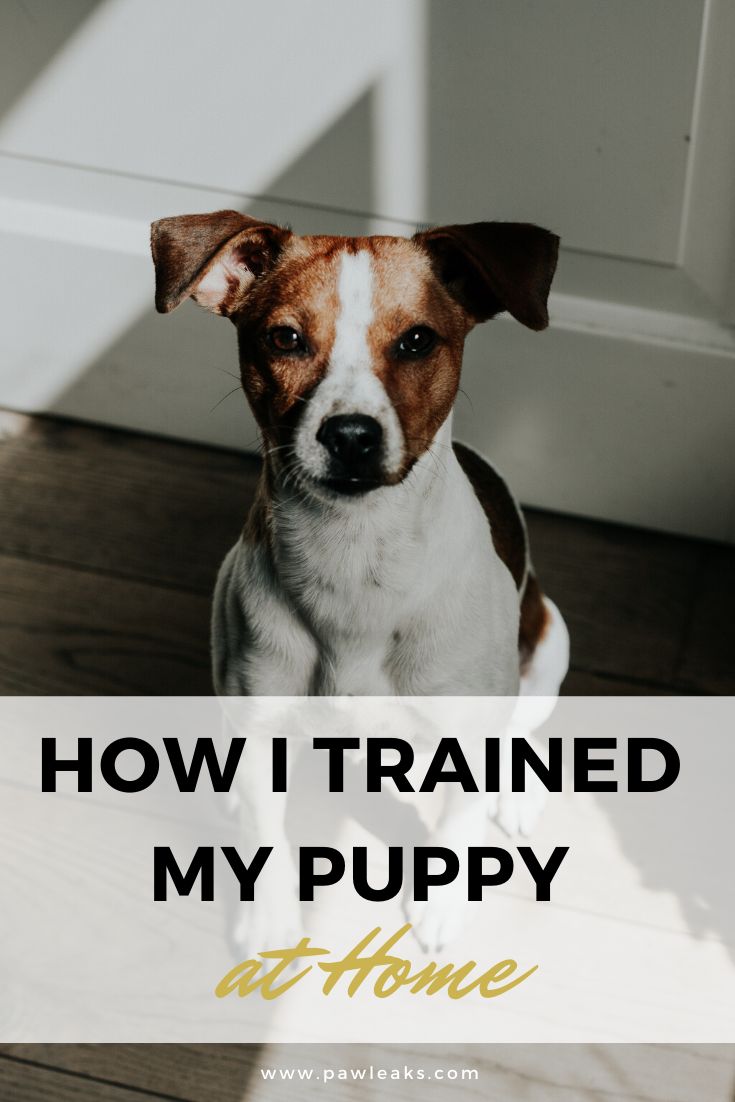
[356, 578]
[402, 601]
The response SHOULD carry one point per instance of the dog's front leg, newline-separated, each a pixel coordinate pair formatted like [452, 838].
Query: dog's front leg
[518, 812]
[439, 919]
[273, 919]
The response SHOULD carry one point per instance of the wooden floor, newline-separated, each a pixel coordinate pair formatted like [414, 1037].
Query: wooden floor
[232, 1073]
[109, 545]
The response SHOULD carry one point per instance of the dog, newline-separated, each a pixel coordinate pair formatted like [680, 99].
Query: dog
[379, 557]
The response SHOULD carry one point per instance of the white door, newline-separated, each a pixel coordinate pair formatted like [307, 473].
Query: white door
[610, 121]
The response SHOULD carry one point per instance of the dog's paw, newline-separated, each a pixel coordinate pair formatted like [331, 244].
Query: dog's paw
[231, 803]
[439, 920]
[273, 919]
[518, 812]
[262, 925]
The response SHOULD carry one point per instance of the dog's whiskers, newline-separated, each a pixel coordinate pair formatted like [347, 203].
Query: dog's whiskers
[228, 395]
[232, 374]
[277, 448]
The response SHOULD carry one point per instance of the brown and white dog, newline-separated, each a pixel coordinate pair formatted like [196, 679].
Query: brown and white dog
[379, 558]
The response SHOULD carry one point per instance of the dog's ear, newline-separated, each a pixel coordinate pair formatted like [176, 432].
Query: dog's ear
[494, 266]
[211, 257]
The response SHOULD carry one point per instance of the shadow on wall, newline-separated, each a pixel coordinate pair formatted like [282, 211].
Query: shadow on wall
[33, 33]
[188, 360]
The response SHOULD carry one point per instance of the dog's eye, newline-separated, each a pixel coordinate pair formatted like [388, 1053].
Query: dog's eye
[285, 339]
[416, 341]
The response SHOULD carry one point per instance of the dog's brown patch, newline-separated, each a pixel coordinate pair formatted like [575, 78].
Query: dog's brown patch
[407, 293]
[506, 523]
[496, 266]
[509, 538]
[187, 248]
[534, 621]
[302, 293]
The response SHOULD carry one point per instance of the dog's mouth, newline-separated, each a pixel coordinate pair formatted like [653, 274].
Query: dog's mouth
[350, 486]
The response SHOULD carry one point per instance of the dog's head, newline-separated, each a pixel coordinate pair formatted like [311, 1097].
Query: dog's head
[351, 347]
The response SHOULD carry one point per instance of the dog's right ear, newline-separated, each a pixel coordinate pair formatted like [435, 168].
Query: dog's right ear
[211, 257]
[494, 266]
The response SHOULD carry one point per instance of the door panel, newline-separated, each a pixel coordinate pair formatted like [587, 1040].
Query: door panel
[368, 117]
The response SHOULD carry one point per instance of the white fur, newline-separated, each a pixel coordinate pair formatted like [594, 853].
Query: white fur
[350, 385]
[217, 283]
[399, 592]
[518, 812]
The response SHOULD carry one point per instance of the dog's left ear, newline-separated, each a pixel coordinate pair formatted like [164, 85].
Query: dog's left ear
[212, 258]
[494, 266]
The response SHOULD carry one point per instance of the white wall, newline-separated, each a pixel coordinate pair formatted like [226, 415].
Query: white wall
[606, 122]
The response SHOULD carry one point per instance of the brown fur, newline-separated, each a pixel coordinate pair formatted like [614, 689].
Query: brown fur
[534, 620]
[506, 523]
[185, 248]
[407, 293]
[511, 543]
[496, 266]
[302, 293]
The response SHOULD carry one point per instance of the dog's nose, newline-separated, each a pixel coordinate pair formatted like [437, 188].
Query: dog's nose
[352, 438]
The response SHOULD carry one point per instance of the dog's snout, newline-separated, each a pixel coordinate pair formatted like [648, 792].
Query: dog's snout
[351, 438]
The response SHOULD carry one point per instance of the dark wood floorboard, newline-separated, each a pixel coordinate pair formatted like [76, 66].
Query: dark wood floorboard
[626, 594]
[187, 1072]
[708, 655]
[116, 502]
[69, 631]
[21, 1081]
[110, 543]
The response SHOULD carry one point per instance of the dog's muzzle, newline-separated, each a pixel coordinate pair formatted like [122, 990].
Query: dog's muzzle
[354, 443]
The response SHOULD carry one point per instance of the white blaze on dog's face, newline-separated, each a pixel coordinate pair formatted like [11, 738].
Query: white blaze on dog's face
[350, 353]
[350, 408]
[351, 348]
